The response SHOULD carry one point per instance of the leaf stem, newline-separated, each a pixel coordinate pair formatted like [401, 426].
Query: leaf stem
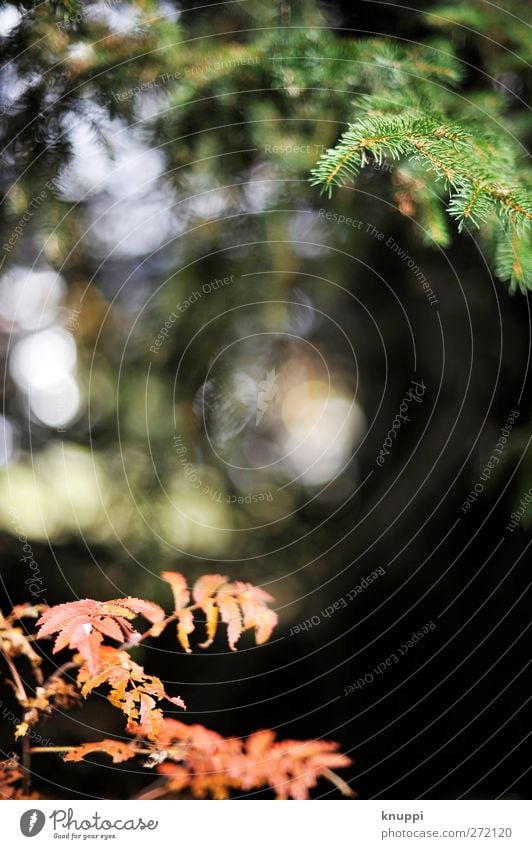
[338, 782]
[20, 692]
[154, 791]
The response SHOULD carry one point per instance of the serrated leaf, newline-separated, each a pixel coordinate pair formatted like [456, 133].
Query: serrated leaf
[206, 586]
[151, 718]
[185, 626]
[82, 624]
[231, 615]
[179, 588]
[118, 751]
[210, 608]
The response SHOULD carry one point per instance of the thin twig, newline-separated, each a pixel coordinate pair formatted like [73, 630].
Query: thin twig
[39, 750]
[154, 791]
[21, 694]
[26, 766]
[338, 782]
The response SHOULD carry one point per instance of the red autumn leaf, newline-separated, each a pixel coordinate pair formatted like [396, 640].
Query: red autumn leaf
[210, 609]
[231, 615]
[179, 588]
[256, 614]
[208, 764]
[128, 685]
[11, 774]
[202, 595]
[150, 720]
[151, 611]
[240, 606]
[176, 700]
[207, 586]
[87, 641]
[14, 642]
[82, 624]
[185, 626]
[119, 752]
[259, 743]
[26, 611]
[109, 628]
[116, 668]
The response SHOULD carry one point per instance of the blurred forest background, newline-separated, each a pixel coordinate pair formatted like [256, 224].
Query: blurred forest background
[165, 260]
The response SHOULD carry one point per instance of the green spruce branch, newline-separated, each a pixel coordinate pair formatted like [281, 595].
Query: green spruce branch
[479, 178]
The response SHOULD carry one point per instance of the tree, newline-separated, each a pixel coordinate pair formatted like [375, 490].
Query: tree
[236, 115]
[188, 757]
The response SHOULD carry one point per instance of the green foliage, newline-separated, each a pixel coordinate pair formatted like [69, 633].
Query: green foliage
[481, 172]
[498, 31]
[449, 146]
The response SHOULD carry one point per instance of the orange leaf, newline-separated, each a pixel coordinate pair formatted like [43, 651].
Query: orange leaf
[26, 610]
[206, 586]
[179, 588]
[259, 743]
[208, 764]
[256, 614]
[176, 700]
[210, 609]
[87, 641]
[151, 718]
[109, 627]
[14, 642]
[10, 775]
[230, 613]
[264, 628]
[119, 752]
[151, 611]
[185, 626]
[82, 624]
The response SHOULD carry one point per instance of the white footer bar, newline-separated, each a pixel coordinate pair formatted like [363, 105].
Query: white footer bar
[267, 825]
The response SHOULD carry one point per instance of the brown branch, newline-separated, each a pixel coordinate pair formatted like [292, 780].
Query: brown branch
[26, 766]
[41, 750]
[20, 692]
[472, 201]
[154, 791]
